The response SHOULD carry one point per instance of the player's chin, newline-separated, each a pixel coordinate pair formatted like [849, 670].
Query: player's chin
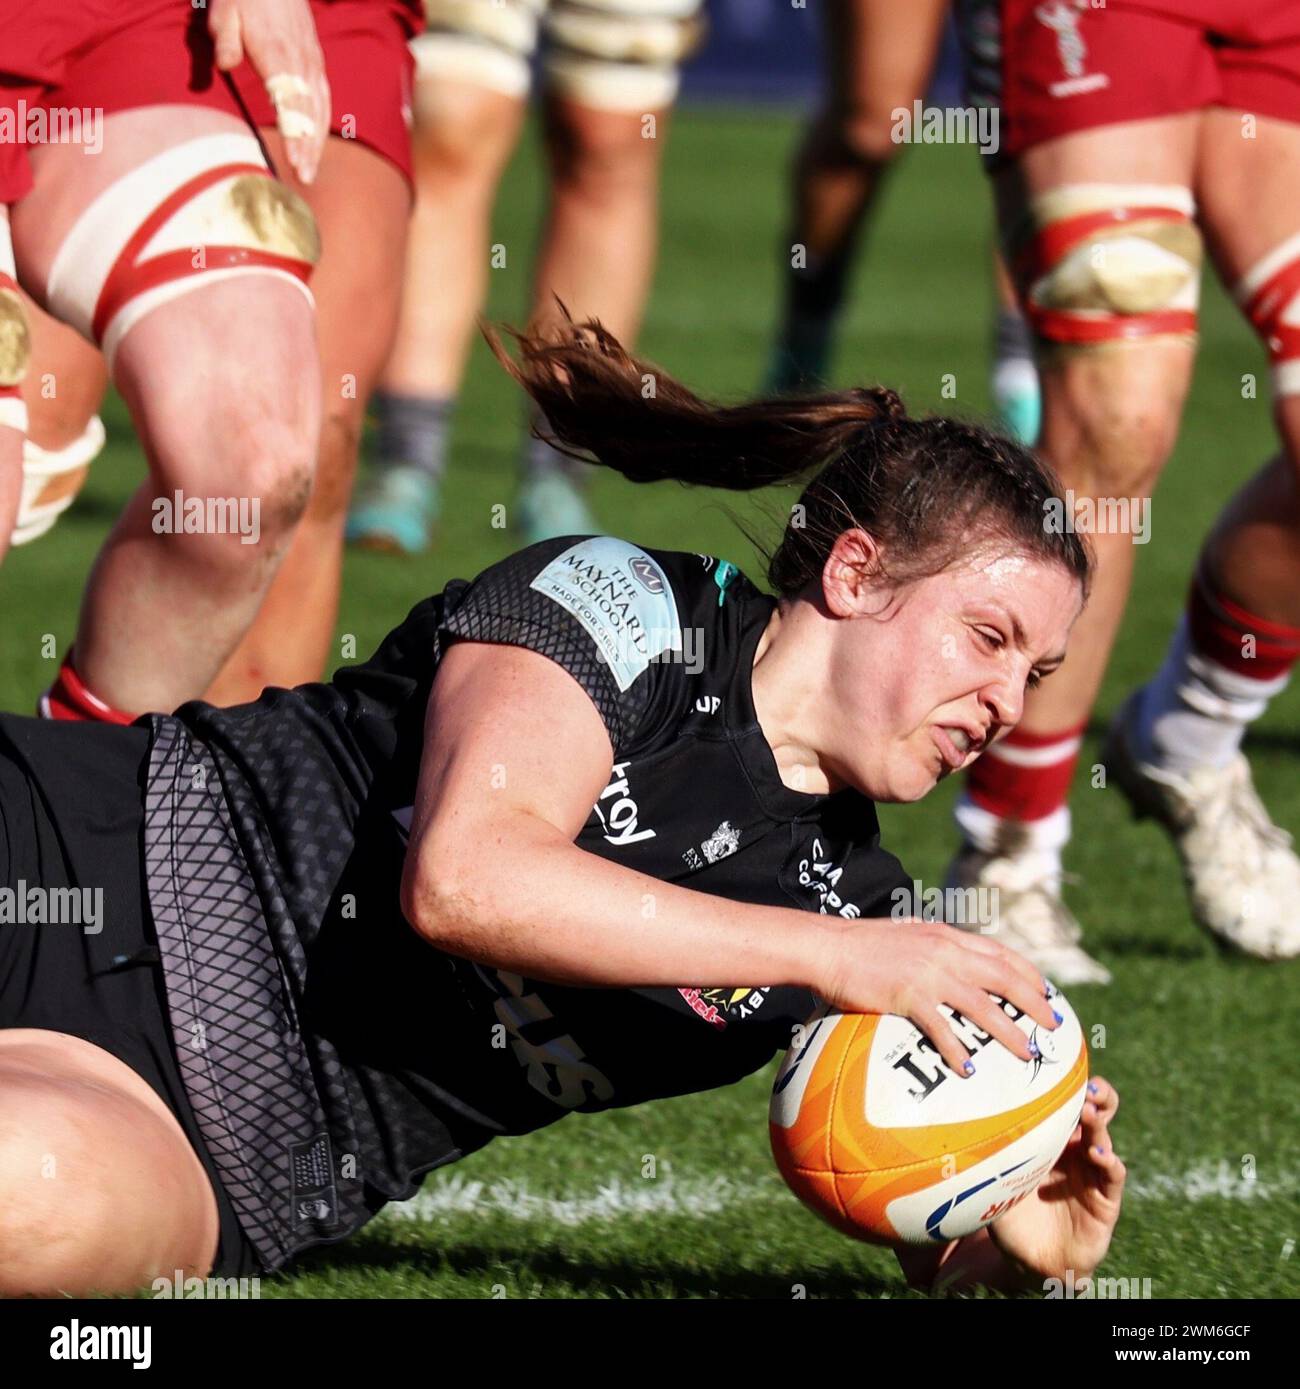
[914, 778]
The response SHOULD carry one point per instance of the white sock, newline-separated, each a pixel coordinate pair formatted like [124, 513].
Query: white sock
[1034, 844]
[1194, 713]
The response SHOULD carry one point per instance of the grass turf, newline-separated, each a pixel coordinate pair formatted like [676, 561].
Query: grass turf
[1202, 1047]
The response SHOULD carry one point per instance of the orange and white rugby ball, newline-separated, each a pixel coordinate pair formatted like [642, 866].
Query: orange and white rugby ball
[872, 1131]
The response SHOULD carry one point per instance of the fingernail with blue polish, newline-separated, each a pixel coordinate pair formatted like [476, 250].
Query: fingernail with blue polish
[1033, 1049]
[968, 1068]
[1092, 1088]
[1057, 1016]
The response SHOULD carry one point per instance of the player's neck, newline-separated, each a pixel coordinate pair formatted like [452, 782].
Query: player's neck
[785, 683]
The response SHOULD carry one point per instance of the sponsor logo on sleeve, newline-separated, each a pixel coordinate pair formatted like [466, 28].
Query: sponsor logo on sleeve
[621, 597]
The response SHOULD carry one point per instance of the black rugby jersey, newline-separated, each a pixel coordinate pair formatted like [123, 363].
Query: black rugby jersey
[377, 1046]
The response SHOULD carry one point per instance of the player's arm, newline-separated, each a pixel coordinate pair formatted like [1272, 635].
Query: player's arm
[515, 755]
[1063, 1227]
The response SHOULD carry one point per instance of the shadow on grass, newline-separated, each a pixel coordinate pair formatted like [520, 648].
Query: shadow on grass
[1185, 952]
[588, 1273]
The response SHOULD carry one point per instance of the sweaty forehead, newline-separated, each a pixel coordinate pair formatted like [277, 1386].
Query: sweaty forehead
[1028, 589]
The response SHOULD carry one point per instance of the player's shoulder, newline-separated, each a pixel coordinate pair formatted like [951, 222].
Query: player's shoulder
[611, 562]
[600, 598]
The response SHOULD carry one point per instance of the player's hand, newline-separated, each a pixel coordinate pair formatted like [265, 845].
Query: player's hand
[911, 967]
[278, 37]
[1068, 1221]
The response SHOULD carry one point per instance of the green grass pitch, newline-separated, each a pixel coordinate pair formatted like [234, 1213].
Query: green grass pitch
[1202, 1047]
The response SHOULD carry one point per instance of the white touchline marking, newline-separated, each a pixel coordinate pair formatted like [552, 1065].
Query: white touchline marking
[616, 1199]
[1223, 1179]
[455, 1194]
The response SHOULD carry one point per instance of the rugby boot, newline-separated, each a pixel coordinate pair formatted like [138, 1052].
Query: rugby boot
[1029, 914]
[1242, 875]
[395, 510]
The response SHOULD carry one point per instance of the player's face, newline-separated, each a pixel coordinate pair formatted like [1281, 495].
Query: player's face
[925, 686]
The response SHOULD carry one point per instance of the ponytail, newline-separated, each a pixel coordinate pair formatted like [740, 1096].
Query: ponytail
[599, 401]
[927, 490]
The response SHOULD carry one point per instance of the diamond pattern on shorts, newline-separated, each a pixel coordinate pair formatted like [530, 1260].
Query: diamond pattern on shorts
[245, 1066]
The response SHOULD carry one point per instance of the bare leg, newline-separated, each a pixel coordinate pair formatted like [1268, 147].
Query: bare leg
[881, 57]
[601, 234]
[100, 1191]
[1253, 552]
[66, 384]
[1110, 416]
[463, 136]
[361, 204]
[597, 257]
[224, 389]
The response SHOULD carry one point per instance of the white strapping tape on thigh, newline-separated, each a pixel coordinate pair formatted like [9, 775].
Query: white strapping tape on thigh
[484, 43]
[211, 211]
[512, 24]
[1111, 261]
[1269, 294]
[52, 478]
[447, 57]
[641, 9]
[620, 56]
[634, 88]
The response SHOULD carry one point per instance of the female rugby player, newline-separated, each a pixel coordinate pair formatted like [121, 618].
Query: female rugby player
[597, 782]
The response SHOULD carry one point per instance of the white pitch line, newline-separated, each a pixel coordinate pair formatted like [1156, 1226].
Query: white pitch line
[456, 1194]
[1206, 1179]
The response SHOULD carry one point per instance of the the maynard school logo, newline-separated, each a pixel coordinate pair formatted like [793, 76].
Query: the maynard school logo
[621, 597]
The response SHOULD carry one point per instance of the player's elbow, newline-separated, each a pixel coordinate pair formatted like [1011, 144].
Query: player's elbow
[438, 896]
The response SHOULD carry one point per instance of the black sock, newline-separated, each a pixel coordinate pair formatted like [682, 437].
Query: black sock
[412, 431]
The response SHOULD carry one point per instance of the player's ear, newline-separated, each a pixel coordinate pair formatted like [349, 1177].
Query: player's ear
[850, 576]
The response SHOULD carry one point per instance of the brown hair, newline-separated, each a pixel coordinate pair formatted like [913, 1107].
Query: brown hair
[926, 490]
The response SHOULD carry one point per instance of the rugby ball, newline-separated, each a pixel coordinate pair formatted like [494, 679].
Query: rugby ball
[871, 1130]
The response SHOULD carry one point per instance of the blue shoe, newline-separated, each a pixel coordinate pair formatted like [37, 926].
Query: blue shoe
[1018, 398]
[549, 505]
[395, 510]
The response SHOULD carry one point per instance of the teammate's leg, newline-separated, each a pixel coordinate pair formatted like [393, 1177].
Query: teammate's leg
[1107, 258]
[361, 202]
[469, 103]
[100, 1191]
[62, 392]
[1176, 745]
[66, 384]
[881, 57]
[218, 370]
[597, 257]
[612, 75]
